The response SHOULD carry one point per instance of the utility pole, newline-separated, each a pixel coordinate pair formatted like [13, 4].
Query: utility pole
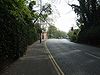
[40, 20]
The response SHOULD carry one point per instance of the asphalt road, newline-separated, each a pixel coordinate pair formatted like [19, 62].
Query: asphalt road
[75, 59]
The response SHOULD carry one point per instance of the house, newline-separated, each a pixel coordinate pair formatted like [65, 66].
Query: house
[44, 36]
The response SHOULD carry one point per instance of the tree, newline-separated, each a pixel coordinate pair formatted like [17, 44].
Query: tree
[53, 32]
[73, 34]
[88, 20]
[44, 12]
[16, 28]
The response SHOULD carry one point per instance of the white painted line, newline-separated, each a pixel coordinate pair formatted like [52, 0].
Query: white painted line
[93, 55]
[54, 63]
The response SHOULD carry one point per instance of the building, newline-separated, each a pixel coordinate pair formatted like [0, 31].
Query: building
[44, 35]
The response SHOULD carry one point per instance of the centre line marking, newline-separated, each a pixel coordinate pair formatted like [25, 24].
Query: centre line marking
[54, 63]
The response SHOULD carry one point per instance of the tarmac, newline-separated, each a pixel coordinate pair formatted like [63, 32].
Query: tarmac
[36, 61]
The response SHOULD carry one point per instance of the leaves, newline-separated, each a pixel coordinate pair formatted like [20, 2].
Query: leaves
[88, 20]
[31, 4]
[16, 29]
[53, 32]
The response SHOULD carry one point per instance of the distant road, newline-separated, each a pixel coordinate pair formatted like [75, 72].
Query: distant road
[75, 59]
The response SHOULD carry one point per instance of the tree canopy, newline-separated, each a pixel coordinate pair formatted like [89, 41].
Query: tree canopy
[19, 26]
[88, 20]
[53, 32]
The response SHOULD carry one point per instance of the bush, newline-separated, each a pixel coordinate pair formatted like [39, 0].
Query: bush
[73, 35]
[16, 29]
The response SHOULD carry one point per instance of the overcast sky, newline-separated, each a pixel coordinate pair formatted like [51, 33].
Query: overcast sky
[63, 15]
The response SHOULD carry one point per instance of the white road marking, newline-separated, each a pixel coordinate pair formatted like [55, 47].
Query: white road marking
[93, 55]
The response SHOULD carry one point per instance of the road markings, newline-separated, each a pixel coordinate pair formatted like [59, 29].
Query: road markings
[93, 55]
[54, 63]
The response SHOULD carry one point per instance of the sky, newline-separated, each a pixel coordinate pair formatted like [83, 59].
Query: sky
[63, 15]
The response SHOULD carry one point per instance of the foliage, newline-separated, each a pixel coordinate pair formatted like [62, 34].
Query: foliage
[44, 12]
[16, 29]
[73, 34]
[53, 32]
[31, 4]
[88, 21]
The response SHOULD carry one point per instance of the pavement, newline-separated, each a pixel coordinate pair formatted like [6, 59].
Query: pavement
[35, 62]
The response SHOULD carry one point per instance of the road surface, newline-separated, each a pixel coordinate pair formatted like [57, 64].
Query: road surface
[34, 62]
[75, 59]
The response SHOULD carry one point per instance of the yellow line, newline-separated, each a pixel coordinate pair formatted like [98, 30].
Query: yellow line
[54, 63]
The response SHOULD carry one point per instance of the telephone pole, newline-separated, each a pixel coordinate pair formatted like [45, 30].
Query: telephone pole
[40, 20]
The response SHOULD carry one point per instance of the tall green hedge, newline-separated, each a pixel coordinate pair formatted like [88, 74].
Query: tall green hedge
[16, 29]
